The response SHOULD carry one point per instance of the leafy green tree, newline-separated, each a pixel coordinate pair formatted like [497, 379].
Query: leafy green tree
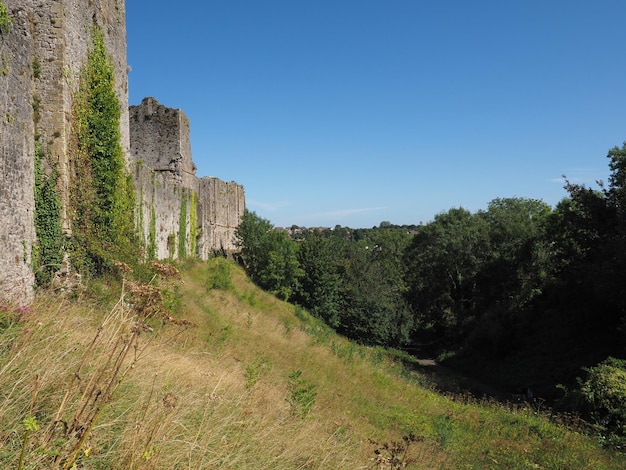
[588, 231]
[514, 271]
[251, 234]
[442, 264]
[516, 264]
[374, 309]
[617, 182]
[281, 274]
[269, 256]
[320, 285]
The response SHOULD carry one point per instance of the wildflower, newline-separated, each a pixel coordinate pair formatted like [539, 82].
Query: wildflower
[24, 310]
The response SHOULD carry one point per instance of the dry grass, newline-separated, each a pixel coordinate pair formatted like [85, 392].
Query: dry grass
[86, 387]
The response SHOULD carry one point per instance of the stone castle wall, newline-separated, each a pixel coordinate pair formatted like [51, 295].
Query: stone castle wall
[17, 204]
[159, 210]
[221, 206]
[62, 37]
[160, 139]
[165, 179]
[41, 58]
[40, 61]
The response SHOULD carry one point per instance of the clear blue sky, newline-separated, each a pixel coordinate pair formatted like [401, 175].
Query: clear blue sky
[354, 112]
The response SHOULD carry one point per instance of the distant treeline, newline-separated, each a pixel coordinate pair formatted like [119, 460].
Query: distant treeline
[482, 282]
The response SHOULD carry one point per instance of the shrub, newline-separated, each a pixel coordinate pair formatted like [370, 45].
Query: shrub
[219, 276]
[301, 394]
[256, 369]
[604, 396]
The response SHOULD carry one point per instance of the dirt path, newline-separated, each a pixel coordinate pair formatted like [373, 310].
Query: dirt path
[447, 380]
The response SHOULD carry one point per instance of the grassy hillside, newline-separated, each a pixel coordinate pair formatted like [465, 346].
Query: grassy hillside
[239, 380]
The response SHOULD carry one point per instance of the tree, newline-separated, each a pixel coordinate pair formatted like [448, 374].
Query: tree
[589, 246]
[269, 256]
[442, 264]
[617, 181]
[516, 262]
[251, 233]
[374, 309]
[320, 285]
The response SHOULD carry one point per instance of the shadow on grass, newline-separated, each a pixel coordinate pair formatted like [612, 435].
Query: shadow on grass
[424, 367]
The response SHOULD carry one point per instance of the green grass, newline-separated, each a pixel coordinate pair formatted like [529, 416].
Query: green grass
[255, 383]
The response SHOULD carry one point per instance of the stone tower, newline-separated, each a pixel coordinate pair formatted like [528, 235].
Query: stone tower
[165, 179]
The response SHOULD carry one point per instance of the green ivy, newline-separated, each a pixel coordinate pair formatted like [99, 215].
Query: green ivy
[103, 196]
[48, 251]
[182, 228]
[193, 224]
[5, 19]
[140, 207]
[152, 247]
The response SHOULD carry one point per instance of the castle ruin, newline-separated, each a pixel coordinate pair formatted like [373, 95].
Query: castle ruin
[42, 53]
[165, 179]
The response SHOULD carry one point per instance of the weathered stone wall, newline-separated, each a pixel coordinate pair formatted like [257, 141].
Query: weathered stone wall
[165, 180]
[62, 32]
[41, 59]
[159, 210]
[40, 62]
[17, 204]
[160, 139]
[221, 206]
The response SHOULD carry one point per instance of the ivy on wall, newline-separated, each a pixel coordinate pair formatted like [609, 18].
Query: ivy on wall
[152, 245]
[193, 224]
[48, 250]
[103, 198]
[5, 19]
[182, 228]
[188, 215]
[139, 208]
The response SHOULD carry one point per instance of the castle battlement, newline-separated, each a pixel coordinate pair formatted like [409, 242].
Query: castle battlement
[159, 137]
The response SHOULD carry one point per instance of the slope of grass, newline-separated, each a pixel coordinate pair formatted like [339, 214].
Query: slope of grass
[253, 383]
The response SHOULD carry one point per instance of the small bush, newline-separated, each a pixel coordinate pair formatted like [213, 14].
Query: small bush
[394, 454]
[219, 276]
[36, 65]
[604, 395]
[256, 369]
[301, 394]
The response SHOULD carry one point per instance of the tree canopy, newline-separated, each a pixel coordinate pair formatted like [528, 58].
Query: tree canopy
[492, 283]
